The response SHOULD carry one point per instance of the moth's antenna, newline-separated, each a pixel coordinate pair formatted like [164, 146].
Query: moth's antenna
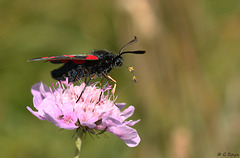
[132, 41]
[133, 52]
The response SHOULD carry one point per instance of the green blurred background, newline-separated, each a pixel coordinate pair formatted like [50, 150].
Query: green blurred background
[188, 94]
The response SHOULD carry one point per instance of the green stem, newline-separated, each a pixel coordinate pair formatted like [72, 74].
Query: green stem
[78, 144]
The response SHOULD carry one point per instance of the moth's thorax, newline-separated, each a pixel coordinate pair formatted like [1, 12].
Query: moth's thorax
[103, 65]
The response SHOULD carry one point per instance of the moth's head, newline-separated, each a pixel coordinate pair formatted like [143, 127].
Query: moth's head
[118, 61]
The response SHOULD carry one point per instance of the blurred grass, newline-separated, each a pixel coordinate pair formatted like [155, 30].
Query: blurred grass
[189, 82]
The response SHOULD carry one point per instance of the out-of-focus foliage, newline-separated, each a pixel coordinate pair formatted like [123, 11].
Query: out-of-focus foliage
[188, 94]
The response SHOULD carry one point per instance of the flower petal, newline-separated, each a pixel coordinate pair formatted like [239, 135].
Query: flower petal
[128, 112]
[36, 114]
[133, 142]
[120, 105]
[90, 125]
[131, 122]
[127, 134]
[39, 92]
[110, 121]
[59, 123]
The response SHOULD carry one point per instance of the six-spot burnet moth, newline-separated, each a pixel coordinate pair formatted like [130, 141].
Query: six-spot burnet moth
[97, 63]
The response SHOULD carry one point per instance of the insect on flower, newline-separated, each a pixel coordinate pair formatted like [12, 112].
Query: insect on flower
[97, 63]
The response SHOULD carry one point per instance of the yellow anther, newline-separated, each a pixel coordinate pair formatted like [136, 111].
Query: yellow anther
[131, 69]
[134, 79]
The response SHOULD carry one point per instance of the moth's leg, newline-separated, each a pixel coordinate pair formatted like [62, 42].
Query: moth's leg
[105, 85]
[87, 74]
[115, 83]
[101, 82]
[76, 77]
[91, 78]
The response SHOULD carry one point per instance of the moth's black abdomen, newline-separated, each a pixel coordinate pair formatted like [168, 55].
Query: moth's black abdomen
[69, 70]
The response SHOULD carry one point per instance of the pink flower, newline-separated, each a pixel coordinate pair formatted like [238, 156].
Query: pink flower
[58, 105]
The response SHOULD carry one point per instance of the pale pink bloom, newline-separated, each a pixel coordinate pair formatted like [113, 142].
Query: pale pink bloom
[58, 105]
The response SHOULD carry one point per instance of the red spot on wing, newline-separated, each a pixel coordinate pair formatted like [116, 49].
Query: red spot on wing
[79, 61]
[48, 58]
[70, 56]
[91, 57]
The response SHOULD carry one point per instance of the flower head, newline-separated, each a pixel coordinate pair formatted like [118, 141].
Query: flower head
[94, 110]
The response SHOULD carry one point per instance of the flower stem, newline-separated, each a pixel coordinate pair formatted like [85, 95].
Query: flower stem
[78, 144]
